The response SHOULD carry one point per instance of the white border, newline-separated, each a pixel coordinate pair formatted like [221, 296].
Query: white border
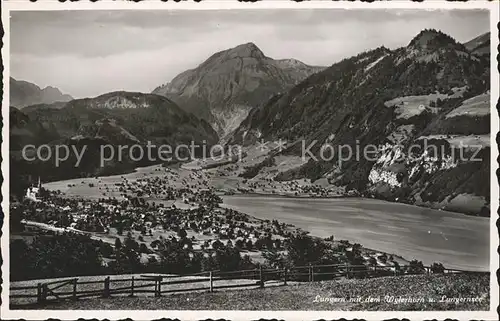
[249, 315]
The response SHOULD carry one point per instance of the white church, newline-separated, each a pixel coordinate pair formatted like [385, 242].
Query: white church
[33, 192]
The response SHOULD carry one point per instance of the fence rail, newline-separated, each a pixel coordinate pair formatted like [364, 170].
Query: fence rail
[156, 285]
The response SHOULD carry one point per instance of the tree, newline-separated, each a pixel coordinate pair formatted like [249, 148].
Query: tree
[105, 249]
[415, 267]
[20, 260]
[303, 250]
[354, 256]
[437, 268]
[130, 243]
[275, 259]
[227, 258]
[208, 263]
[58, 256]
[118, 243]
[217, 245]
[153, 265]
[182, 233]
[127, 256]
[174, 257]
[239, 244]
[143, 248]
[397, 267]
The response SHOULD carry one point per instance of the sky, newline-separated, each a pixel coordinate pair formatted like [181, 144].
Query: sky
[87, 53]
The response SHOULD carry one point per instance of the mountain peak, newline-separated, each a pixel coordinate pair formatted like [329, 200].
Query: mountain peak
[431, 39]
[248, 49]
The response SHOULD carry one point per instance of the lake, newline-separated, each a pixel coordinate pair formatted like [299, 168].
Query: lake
[456, 240]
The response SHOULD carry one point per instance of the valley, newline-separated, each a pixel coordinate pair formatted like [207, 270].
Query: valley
[423, 109]
[409, 231]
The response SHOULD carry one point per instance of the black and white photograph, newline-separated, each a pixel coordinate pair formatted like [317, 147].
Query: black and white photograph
[250, 160]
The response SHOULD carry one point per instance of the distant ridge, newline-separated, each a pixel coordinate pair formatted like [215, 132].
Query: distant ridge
[24, 93]
[480, 45]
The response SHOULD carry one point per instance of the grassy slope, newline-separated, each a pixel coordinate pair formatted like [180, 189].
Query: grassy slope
[302, 296]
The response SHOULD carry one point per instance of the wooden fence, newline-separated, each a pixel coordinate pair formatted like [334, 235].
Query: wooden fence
[157, 285]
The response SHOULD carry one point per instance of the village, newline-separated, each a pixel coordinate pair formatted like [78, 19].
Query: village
[189, 213]
[169, 207]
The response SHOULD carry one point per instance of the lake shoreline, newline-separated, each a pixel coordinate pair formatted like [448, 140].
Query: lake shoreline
[299, 197]
[223, 191]
[308, 196]
[427, 235]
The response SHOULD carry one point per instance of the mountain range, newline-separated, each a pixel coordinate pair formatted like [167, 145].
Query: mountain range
[225, 87]
[434, 90]
[479, 45]
[24, 93]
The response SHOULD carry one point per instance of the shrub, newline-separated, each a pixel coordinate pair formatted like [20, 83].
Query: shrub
[437, 268]
[415, 267]
[143, 248]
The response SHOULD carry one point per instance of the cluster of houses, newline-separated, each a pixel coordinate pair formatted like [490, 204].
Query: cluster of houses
[206, 225]
[290, 188]
[192, 189]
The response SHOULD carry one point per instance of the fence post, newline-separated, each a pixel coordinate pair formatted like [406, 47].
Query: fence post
[284, 276]
[309, 273]
[312, 273]
[44, 293]
[75, 282]
[261, 276]
[211, 282]
[347, 270]
[106, 288]
[39, 293]
[158, 280]
[132, 287]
